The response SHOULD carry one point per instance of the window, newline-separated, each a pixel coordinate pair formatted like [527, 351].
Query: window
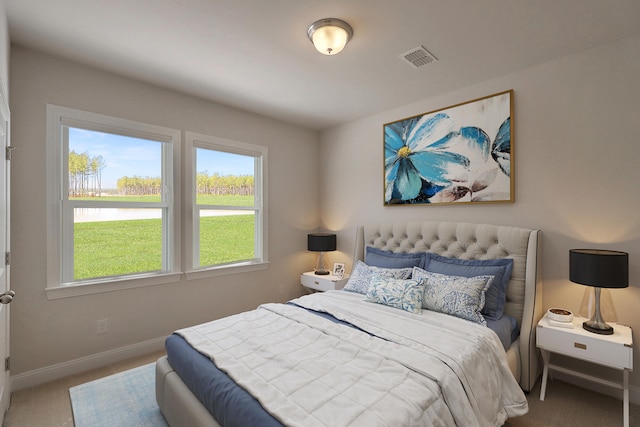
[119, 222]
[115, 214]
[227, 199]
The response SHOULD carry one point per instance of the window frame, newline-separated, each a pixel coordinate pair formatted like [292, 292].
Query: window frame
[180, 235]
[59, 211]
[193, 141]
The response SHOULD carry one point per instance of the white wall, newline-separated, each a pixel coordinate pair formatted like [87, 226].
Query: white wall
[49, 332]
[577, 153]
[4, 50]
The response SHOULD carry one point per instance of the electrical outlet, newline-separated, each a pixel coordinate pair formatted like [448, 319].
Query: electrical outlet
[102, 326]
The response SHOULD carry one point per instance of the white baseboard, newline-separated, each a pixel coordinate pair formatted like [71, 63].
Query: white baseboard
[634, 392]
[83, 364]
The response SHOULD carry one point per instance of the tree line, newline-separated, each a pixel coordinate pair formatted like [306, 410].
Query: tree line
[85, 179]
[216, 184]
[225, 185]
[139, 186]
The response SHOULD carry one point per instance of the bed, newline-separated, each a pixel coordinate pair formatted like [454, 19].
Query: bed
[393, 355]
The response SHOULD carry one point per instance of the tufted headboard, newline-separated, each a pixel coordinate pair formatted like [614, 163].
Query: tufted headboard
[478, 241]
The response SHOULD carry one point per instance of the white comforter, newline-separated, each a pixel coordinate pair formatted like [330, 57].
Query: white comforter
[427, 370]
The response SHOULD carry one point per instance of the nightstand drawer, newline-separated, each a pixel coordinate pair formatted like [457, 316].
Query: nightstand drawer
[574, 343]
[322, 283]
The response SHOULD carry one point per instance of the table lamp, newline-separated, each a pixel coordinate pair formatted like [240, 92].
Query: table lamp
[600, 269]
[321, 242]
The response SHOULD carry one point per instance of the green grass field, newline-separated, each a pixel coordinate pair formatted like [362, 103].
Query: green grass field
[111, 248]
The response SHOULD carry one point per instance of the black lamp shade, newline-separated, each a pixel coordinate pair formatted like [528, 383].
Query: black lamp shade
[599, 268]
[321, 242]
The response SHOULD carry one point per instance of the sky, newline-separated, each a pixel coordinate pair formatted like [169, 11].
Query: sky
[127, 156]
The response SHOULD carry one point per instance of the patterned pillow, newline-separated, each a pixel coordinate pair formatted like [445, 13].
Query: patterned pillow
[496, 295]
[362, 273]
[459, 296]
[399, 293]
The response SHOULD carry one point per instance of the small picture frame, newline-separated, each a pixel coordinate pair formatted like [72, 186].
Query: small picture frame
[338, 269]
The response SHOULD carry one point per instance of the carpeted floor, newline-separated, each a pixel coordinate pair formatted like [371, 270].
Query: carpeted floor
[566, 405]
[125, 399]
[48, 405]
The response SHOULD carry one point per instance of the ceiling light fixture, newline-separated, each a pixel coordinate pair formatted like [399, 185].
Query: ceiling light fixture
[330, 35]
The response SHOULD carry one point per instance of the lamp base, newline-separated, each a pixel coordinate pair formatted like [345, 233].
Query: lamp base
[321, 269]
[597, 327]
[596, 324]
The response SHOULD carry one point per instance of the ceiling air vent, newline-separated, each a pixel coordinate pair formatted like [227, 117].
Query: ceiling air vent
[418, 57]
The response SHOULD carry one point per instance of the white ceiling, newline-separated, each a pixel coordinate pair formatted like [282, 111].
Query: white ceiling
[255, 54]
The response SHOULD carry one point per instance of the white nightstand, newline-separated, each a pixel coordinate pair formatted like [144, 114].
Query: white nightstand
[614, 351]
[322, 283]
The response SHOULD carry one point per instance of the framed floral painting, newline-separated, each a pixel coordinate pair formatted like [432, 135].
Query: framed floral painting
[460, 154]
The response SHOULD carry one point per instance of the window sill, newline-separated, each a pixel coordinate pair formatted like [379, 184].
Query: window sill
[227, 269]
[89, 288]
[97, 287]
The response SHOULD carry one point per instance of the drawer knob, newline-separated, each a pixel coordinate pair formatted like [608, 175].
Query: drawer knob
[581, 346]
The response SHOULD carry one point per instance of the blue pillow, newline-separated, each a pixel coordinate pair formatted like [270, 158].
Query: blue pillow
[387, 259]
[496, 295]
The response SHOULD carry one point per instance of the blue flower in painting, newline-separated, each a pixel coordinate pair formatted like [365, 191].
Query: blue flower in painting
[481, 180]
[417, 156]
